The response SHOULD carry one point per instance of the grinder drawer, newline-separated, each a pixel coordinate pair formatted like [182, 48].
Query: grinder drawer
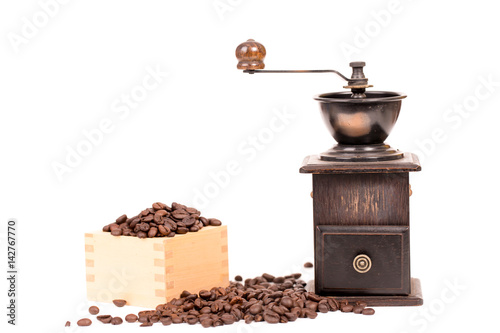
[362, 260]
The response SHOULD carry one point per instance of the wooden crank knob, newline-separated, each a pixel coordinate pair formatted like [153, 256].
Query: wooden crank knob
[250, 55]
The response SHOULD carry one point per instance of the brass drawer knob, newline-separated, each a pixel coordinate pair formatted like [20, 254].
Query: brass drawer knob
[362, 263]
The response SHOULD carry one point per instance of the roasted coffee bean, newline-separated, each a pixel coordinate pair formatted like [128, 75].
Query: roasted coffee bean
[255, 309]
[308, 265]
[323, 307]
[357, 309]
[152, 232]
[166, 321]
[346, 308]
[121, 219]
[310, 314]
[368, 311]
[228, 319]
[142, 234]
[189, 221]
[279, 279]
[208, 322]
[113, 226]
[131, 318]
[204, 220]
[68, 324]
[84, 322]
[105, 319]
[361, 303]
[333, 304]
[271, 317]
[116, 321]
[148, 218]
[182, 230]
[268, 277]
[287, 302]
[106, 228]
[171, 234]
[119, 302]
[163, 230]
[143, 319]
[94, 310]
[147, 324]
[214, 222]
[238, 278]
[194, 229]
[117, 232]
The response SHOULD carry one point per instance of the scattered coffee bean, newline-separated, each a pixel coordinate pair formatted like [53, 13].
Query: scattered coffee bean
[131, 318]
[308, 265]
[116, 321]
[161, 221]
[105, 319]
[68, 324]
[264, 298]
[119, 302]
[368, 311]
[94, 310]
[84, 322]
[238, 278]
[357, 309]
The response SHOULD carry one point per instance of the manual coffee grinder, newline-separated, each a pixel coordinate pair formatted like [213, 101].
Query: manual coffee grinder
[360, 192]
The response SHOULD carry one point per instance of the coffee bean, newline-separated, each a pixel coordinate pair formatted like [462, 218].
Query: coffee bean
[146, 324]
[131, 318]
[84, 322]
[208, 322]
[194, 229]
[287, 302]
[105, 319]
[119, 302]
[279, 279]
[368, 311]
[142, 234]
[171, 234]
[94, 310]
[163, 230]
[268, 277]
[116, 321]
[255, 309]
[106, 228]
[166, 321]
[308, 265]
[152, 232]
[357, 309]
[333, 304]
[68, 324]
[121, 219]
[271, 317]
[204, 220]
[346, 308]
[117, 232]
[214, 222]
[323, 307]
[148, 218]
[238, 278]
[182, 230]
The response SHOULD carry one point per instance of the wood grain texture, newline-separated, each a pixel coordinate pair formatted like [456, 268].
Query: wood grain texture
[151, 271]
[313, 164]
[361, 199]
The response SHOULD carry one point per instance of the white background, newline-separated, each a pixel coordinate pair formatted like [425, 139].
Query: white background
[67, 75]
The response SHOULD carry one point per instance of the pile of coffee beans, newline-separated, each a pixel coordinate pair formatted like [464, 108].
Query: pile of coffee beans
[160, 221]
[264, 298]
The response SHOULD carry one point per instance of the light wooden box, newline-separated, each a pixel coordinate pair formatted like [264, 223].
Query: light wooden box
[152, 271]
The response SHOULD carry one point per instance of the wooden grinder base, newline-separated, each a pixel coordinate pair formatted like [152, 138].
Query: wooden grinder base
[414, 299]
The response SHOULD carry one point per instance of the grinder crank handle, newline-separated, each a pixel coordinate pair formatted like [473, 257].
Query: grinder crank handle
[251, 54]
